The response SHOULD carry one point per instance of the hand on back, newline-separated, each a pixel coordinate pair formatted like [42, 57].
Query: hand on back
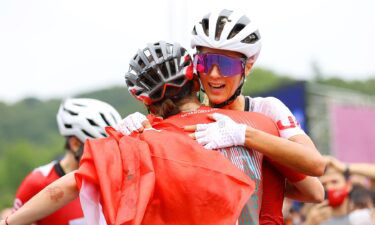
[220, 134]
[133, 122]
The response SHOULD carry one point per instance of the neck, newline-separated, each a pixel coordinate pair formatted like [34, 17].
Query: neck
[342, 209]
[189, 106]
[238, 104]
[68, 162]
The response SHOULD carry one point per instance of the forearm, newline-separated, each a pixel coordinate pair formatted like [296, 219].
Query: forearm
[302, 158]
[364, 169]
[307, 190]
[47, 201]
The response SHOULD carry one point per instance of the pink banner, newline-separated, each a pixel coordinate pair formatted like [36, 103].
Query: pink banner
[353, 133]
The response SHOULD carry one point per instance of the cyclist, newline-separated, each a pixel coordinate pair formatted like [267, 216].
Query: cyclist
[228, 44]
[78, 119]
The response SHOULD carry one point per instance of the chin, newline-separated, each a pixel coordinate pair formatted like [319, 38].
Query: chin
[216, 100]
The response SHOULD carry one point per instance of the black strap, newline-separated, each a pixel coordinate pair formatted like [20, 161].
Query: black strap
[59, 170]
[232, 98]
[247, 104]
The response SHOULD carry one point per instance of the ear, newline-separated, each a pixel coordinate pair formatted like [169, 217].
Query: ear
[248, 67]
[74, 143]
[349, 186]
[196, 84]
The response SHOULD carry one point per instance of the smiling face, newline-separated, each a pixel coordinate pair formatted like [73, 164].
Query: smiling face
[217, 87]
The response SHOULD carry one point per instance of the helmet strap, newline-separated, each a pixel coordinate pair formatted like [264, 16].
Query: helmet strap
[78, 154]
[233, 97]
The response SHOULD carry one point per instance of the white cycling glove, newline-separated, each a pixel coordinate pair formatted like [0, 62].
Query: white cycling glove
[220, 134]
[131, 123]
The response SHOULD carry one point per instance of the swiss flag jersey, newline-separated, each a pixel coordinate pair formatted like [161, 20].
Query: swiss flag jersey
[37, 180]
[278, 112]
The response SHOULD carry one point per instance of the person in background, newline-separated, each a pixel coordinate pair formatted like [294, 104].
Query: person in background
[334, 210]
[78, 119]
[359, 172]
[361, 206]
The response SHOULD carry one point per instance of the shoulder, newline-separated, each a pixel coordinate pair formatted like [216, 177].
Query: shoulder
[44, 170]
[279, 113]
[270, 107]
[37, 177]
[264, 104]
[32, 184]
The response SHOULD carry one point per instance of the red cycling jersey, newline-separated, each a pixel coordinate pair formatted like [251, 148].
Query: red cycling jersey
[70, 214]
[248, 161]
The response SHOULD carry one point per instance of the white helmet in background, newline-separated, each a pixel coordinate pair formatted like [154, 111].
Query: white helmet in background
[86, 118]
[227, 30]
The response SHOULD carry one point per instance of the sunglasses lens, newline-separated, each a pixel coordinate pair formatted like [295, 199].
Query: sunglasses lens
[228, 66]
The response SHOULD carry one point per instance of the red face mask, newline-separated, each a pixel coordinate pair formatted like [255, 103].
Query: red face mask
[336, 197]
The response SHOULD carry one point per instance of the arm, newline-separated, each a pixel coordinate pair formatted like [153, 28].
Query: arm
[307, 190]
[47, 201]
[298, 152]
[299, 186]
[364, 169]
[318, 214]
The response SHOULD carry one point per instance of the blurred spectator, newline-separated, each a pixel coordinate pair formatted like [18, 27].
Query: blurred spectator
[355, 170]
[334, 210]
[361, 206]
[292, 212]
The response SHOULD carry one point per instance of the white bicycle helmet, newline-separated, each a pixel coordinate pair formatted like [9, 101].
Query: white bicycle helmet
[227, 30]
[86, 118]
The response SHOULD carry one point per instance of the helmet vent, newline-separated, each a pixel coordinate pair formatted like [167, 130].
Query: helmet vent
[153, 74]
[221, 21]
[105, 119]
[173, 66]
[92, 123]
[76, 104]
[87, 133]
[205, 25]
[252, 38]
[168, 68]
[236, 29]
[147, 52]
[71, 112]
[68, 126]
[146, 82]
[104, 135]
[158, 52]
[141, 63]
[194, 32]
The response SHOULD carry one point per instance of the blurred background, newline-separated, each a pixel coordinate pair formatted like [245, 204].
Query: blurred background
[317, 57]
